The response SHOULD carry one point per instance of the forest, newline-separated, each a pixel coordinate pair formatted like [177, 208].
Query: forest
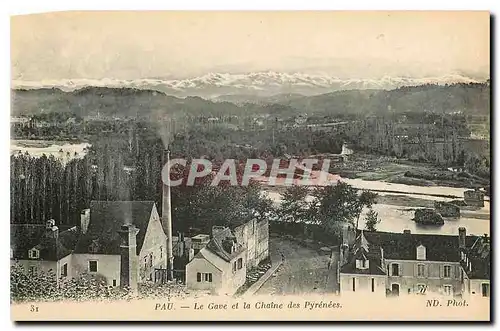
[126, 156]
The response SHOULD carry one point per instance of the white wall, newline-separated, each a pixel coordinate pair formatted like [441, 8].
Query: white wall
[199, 264]
[363, 284]
[153, 240]
[475, 289]
[107, 266]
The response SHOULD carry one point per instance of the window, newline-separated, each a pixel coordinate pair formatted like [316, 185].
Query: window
[447, 271]
[161, 252]
[240, 263]
[145, 262]
[395, 269]
[64, 270]
[114, 282]
[421, 252]
[33, 254]
[362, 264]
[205, 277]
[421, 288]
[234, 266]
[32, 270]
[420, 270]
[354, 284]
[151, 259]
[373, 284]
[93, 266]
[485, 289]
[447, 289]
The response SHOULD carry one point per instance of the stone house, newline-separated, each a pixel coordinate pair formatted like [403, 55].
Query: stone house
[43, 248]
[220, 266]
[406, 263]
[122, 242]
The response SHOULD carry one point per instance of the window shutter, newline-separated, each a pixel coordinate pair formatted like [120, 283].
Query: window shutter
[198, 276]
[415, 270]
[441, 271]
[210, 277]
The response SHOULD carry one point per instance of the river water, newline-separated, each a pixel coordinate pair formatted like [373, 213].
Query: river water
[396, 218]
[62, 150]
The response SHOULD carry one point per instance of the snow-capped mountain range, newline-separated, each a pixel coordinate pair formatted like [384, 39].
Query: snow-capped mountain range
[214, 85]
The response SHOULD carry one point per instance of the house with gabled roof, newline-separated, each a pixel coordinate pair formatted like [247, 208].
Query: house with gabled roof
[405, 263]
[43, 248]
[219, 266]
[476, 263]
[121, 241]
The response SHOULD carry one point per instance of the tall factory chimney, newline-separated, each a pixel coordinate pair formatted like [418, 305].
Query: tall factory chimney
[167, 223]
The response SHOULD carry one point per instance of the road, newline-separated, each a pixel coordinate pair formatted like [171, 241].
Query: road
[304, 270]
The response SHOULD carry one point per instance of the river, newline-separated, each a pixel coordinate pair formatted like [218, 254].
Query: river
[62, 150]
[396, 218]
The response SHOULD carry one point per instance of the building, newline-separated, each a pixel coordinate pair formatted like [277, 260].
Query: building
[393, 264]
[121, 242]
[221, 261]
[43, 248]
[220, 266]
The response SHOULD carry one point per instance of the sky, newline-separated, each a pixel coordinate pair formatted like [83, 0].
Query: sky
[155, 44]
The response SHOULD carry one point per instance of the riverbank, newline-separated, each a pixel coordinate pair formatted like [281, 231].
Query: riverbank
[399, 171]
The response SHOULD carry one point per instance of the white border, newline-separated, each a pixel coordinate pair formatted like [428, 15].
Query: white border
[17, 7]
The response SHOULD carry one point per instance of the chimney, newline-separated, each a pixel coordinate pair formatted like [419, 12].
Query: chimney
[216, 229]
[49, 224]
[180, 241]
[53, 232]
[84, 220]
[128, 254]
[348, 234]
[228, 244]
[462, 234]
[166, 210]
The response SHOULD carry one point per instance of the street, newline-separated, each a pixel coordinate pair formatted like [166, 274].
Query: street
[304, 270]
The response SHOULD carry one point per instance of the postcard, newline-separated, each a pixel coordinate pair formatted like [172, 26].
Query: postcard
[250, 166]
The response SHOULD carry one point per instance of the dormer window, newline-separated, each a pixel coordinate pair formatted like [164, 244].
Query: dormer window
[362, 264]
[421, 252]
[34, 253]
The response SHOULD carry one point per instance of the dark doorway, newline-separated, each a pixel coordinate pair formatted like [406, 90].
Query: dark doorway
[395, 289]
[485, 290]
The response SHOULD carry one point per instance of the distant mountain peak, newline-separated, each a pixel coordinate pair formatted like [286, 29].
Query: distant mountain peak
[265, 83]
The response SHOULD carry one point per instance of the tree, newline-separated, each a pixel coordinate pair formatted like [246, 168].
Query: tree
[294, 207]
[371, 220]
[366, 199]
[336, 205]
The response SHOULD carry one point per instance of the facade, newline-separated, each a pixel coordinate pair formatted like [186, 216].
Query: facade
[255, 236]
[43, 248]
[221, 260]
[114, 226]
[220, 266]
[397, 264]
[122, 242]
